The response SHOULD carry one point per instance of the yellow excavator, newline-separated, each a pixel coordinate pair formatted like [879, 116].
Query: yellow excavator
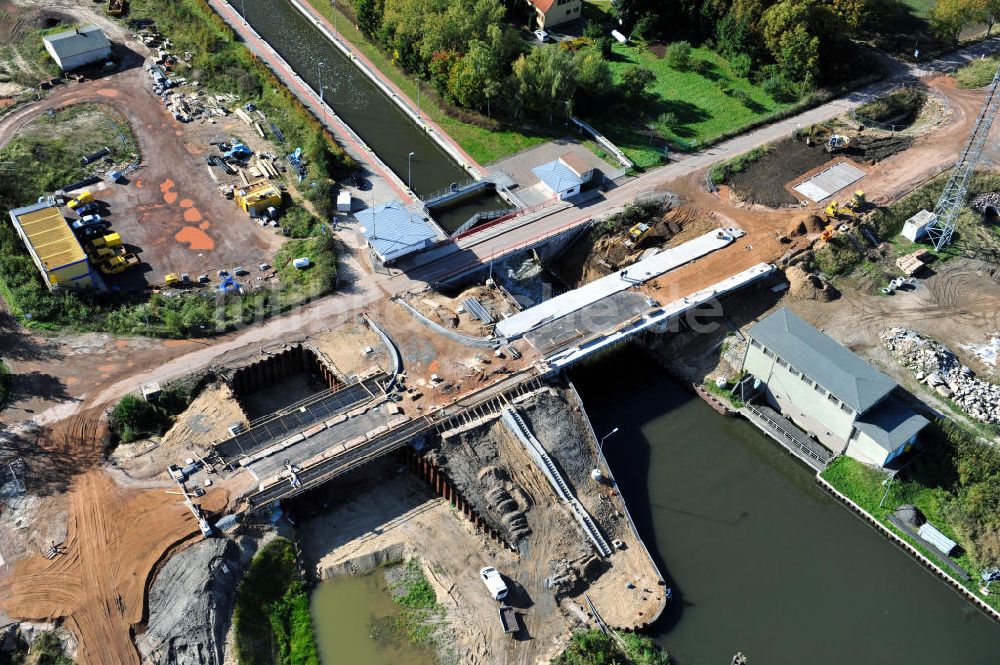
[848, 210]
[636, 234]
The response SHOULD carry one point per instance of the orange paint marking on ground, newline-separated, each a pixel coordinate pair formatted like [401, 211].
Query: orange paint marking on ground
[107, 92]
[122, 343]
[71, 380]
[173, 343]
[107, 368]
[186, 203]
[195, 238]
[204, 226]
[138, 183]
[166, 186]
[191, 214]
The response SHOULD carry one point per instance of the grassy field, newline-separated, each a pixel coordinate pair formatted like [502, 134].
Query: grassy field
[272, 619]
[420, 612]
[926, 484]
[977, 73]
[707, 105]
[921, 8]
[485, 145]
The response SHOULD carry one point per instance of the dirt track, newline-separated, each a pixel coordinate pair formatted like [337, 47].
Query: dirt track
[98, 583]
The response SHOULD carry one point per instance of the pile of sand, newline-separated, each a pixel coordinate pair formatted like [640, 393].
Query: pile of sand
[807, 286]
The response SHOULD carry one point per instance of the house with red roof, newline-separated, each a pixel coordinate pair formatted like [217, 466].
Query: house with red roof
[549, 13]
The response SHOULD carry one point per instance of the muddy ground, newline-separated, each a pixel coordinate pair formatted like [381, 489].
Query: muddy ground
[450, 311]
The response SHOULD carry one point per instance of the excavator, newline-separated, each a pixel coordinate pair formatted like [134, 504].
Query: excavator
[636, 234]
[848, 211]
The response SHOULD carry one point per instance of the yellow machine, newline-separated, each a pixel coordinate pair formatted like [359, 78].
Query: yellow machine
[119, 263]
[636, 234]
[110, 241]
[835, 211]
[170, 279]
[105, 253]
[858, 201]
[85, 197]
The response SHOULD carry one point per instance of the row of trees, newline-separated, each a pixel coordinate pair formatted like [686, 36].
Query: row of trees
[807, 42]
[950, 17]
[475, 58]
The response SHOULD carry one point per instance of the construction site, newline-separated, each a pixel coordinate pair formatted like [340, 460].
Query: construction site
[428, 412]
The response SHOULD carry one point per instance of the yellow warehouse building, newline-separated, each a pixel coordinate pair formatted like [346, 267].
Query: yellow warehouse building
[53, 247]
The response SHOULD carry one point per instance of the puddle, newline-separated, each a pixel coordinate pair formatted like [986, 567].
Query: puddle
[354, 620]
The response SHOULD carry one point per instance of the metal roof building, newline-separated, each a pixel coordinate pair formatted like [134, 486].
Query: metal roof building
[77, 47]
[832, 394]
[393, 231]
[823, 360]
[53, 247]
[560, 178]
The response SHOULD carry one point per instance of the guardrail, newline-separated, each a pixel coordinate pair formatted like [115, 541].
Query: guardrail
[604, 141]
[788, 436]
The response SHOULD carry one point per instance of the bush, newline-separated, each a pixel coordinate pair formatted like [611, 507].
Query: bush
[592, 647]
[778, 87]
[900, 107]
[134, 418]
[679, 56]
[272, 620]
[593, 30]
[977, 73]
[741, 64]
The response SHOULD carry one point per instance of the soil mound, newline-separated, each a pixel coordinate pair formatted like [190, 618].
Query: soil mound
[807, 286]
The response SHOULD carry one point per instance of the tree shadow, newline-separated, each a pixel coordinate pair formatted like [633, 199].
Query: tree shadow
[53, 456]
[19, 345]
[35, 384]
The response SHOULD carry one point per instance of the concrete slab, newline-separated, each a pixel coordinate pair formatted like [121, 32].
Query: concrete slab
[519, 166]
[830, 181]
[599, 289]
[601, 316]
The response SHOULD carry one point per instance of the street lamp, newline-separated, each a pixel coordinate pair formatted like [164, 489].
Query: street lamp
[418, 96]
[409, 171]
[244, 11]
[614, 431]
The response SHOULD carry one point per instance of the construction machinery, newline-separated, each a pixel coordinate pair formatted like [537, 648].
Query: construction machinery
[116, 7]
[637, 234]
[84, 197]
[836, 143]
[835, 211]
[109, 241]
[119, 263]
[171, 279]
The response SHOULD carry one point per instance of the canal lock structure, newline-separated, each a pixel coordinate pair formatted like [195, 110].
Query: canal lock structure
[370, 113]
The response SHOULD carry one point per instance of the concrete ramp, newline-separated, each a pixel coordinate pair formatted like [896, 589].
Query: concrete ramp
[827, 183]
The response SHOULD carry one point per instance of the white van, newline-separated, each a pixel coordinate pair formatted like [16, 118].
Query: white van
[494, 583]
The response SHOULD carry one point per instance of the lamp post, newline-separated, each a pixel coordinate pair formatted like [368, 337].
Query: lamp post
[334, 4]
[418, 96]
[244, 11]
[409, 171]
[614, 431]
[319, 75]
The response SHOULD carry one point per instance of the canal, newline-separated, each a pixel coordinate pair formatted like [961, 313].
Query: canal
[760, 558]
[362, 105]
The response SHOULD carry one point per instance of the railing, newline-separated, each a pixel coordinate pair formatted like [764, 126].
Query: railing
[453, 188]
[506, 218]
[798, 445]
[487, 215]
[604, 141]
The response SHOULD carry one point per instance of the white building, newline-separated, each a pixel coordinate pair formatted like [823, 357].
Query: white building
[564, 177]
[78, 47]
[845, 403]
[393, 231]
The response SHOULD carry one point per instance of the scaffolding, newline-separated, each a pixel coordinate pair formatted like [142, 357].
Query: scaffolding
[953, 197]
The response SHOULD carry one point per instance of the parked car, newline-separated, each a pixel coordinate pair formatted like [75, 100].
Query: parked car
[494, 583]
[88, 208]
[85, 223]
[542, 36]
[90, 219]
[91, 232]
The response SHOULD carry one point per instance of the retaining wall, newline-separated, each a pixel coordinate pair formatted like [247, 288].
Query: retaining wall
[909, 549]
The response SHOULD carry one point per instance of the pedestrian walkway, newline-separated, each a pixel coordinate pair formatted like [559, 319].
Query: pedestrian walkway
[788, 435]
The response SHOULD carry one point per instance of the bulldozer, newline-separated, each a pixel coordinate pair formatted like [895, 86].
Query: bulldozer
[836, 143]
[836, 211]
[637, 234]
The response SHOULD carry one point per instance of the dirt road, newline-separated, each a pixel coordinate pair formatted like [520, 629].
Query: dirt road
[98, 581]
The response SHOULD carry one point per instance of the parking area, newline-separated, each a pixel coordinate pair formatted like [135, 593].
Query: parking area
[529, 188]
[171, 212]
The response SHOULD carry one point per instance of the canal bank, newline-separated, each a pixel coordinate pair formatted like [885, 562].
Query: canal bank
[762, 560]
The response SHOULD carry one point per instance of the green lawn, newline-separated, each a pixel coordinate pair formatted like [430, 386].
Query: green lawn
[483, 145]
[864, 485]
[921, 8]
[977, 73]
[704, 110]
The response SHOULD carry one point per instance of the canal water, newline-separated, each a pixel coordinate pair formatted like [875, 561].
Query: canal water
[363, 106]
[354, 619]
[761, 560]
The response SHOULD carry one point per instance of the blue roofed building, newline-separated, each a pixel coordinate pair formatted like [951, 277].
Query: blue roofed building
[846, 404]
[565, 176]
[394, 231]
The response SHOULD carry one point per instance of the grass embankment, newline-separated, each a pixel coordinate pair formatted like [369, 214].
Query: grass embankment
[721, 172]
[955, 482]
[6, 385]
[47, 158]
[134, 418]
[592, 647]
[977, 73]
[486, 141]
[420, 614]
[24, 60]
[899, 108]
[707, 102]
[840, 257]
[272, 619]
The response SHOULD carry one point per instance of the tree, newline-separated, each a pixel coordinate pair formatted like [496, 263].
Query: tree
[544, 80]
[369, 17]
[949, 17]
[798, 55]
[593, 75]
[635, 81]
[988, 12]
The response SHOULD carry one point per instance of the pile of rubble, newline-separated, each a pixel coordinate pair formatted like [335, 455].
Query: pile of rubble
[935, 365]
[987, 203]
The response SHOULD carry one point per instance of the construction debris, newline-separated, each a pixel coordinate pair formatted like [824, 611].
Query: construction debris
[987, 204]
[935, 365]
[911, 263]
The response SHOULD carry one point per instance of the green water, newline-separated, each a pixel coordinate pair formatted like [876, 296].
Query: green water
[354, 618]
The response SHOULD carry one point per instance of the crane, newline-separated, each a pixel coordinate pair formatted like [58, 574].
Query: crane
[953, 197]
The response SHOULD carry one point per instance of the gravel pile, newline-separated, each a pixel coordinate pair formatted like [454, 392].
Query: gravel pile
[987, 202]
[935, 365]
[191, 604]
